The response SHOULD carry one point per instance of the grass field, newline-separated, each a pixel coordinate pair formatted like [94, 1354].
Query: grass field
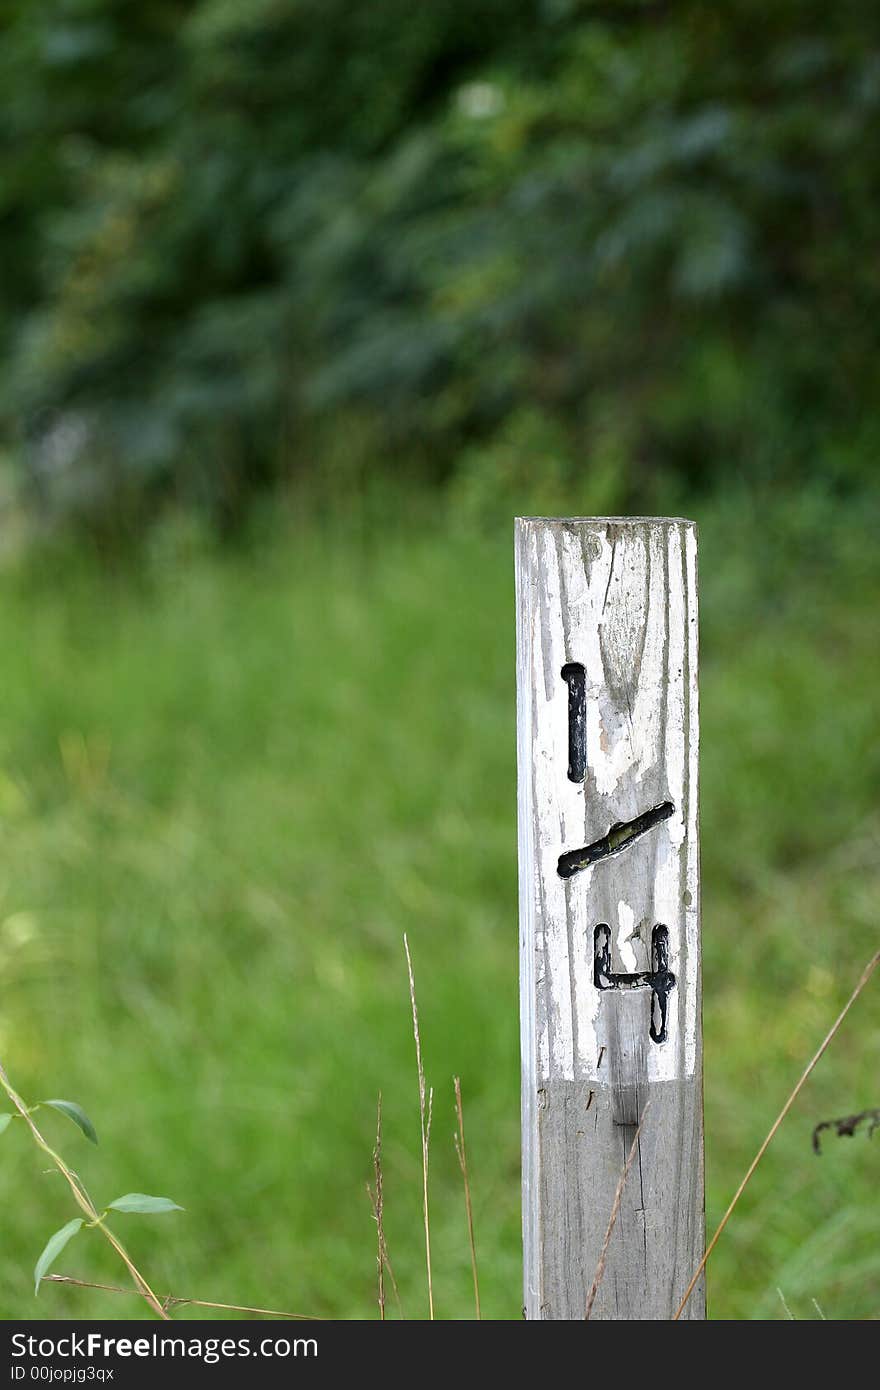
[229, 782]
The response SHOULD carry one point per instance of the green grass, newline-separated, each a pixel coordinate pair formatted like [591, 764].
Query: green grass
[228, 784]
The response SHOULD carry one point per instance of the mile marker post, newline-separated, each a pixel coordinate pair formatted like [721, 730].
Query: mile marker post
[607, 727]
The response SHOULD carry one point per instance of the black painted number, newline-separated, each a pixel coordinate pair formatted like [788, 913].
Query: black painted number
[575, 678]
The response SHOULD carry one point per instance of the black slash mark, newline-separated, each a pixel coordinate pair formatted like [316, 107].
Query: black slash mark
[575, 678]
[619, 837]
[659, 979]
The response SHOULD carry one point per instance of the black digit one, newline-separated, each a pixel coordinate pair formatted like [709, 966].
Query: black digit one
[575, 678]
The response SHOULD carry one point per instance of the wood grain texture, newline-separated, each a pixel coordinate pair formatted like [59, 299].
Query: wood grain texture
[619, 596]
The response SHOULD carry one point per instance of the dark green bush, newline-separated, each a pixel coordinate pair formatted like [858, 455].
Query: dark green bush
[241, 240]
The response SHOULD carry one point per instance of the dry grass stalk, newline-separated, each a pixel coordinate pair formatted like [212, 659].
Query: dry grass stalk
[462, 1160]
[828, 1039]
[171, 1301]
[378, 1207]
[389, 1269]
[426, 1104]
[788, 1313]
[612, 1220]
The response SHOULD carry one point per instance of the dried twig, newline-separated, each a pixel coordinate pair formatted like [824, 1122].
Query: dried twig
[612, 1220]
[828, 1039]
[426, 1100]
[847, 1125]
[462, 1160]
[171, 1301]
[82, 1199]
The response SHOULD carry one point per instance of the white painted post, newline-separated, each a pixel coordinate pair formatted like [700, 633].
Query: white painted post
[609, 913]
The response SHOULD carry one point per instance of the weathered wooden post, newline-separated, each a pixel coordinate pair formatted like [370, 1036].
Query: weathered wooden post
[609, 913]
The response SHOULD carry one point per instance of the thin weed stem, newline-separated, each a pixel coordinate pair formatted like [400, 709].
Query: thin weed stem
[462, 1161]
[171, 1301]
[612, 1220]
[378, 1208]
[82, 1198]
[426, 1101]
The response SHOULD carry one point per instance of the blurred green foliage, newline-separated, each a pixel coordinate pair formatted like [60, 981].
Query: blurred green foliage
[251, 241]
[232, 780]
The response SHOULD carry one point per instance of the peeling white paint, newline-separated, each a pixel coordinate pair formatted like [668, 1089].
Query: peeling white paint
[626, 920]
[620, 599]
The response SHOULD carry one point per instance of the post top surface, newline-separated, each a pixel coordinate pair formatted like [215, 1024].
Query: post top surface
[606, 520]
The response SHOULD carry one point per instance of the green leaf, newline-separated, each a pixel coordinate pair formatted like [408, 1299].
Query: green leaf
[54, 1245]
[144, 1205]
[77, 1114]
[4, 1121]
